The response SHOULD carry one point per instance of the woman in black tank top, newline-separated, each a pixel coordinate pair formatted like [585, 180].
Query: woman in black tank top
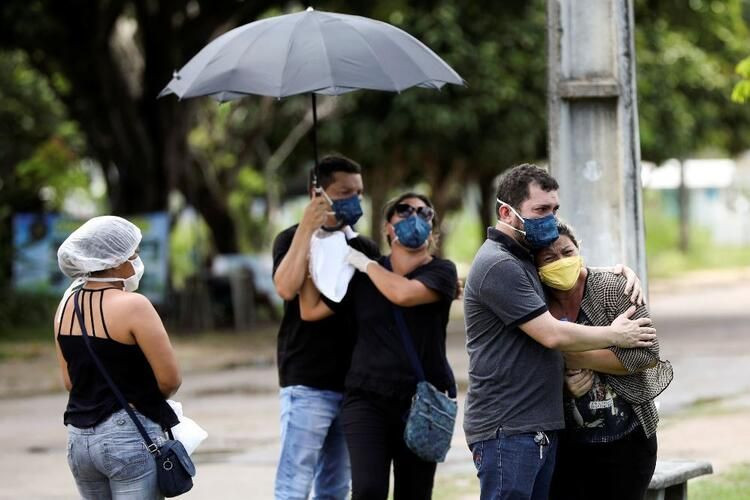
[106, 453]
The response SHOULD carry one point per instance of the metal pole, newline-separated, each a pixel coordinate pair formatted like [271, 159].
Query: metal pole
[594, 149]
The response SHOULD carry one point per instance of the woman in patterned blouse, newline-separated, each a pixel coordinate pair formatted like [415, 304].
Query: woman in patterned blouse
[608, 449]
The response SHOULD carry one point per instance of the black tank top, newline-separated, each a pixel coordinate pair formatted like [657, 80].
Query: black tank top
[91, 400]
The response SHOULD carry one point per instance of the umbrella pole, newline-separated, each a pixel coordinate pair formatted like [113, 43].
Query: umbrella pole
[315, 138]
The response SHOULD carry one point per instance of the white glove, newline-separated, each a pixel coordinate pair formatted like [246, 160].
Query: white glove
[359, 260]
[349, 232]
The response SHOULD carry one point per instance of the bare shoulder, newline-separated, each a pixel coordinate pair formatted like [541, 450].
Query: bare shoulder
[129, 303]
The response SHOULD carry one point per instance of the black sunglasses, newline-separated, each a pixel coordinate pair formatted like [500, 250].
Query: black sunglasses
[404, 210]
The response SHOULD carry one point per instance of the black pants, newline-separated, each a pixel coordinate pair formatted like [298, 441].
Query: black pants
[620, 470]
[374, 428]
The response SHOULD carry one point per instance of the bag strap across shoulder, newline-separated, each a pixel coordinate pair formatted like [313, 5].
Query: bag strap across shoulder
[150, 445]
[408, 343]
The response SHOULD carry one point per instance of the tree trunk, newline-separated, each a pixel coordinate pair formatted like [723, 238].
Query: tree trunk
[211, 206]
[446, 180]
[486, 204]
[376, 187]
[683, 195]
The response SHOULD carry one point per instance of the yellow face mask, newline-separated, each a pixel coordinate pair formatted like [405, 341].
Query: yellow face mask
[562, 274]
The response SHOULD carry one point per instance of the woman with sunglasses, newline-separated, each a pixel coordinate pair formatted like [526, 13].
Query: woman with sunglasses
[380, 382]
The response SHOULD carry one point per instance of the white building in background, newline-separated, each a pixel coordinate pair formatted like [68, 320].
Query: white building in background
[719, 194]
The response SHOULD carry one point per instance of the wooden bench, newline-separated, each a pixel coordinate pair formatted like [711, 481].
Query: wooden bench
[671, 476]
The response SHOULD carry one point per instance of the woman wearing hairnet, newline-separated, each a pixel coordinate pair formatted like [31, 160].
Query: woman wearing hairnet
[106, 454]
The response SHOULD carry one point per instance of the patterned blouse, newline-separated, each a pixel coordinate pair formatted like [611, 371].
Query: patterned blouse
[604, 300]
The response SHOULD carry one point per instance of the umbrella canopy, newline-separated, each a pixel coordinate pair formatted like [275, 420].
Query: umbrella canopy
[310, 51]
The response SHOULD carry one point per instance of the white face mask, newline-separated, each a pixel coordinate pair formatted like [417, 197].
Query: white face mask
[130, 284]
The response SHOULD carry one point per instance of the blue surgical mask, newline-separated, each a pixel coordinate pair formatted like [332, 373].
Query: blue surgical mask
[413, 231]
[348, 211]
[540, 232]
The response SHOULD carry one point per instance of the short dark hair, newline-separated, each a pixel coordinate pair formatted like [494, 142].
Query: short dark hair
[329, 165]
[565, 229]
[513, 186]
[390, 210]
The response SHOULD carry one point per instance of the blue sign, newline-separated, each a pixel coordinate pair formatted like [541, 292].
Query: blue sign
[36, 238]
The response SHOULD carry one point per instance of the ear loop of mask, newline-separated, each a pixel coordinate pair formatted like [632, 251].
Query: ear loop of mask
[111, 280]
[514, 213]
[395, 236]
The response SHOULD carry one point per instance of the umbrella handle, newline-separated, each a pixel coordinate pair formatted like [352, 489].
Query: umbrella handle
[316, 183]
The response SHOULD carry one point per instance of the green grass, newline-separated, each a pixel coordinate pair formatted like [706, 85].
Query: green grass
[709, 406]
[671, 263]
[731, 485]
[662, 245]
[456, 486]
[25, 342]
[463, 236]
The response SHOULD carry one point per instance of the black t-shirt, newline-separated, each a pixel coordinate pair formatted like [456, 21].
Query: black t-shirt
[379, 362]
[316, 354]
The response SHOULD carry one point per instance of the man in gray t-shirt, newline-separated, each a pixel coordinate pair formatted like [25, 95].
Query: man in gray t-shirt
[514, 403]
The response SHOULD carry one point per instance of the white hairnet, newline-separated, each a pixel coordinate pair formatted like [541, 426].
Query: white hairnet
[100, 243]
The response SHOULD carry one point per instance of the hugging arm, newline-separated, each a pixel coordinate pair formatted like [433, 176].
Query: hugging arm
[311, 305]
[617, 360]
[633, 287]
[568, 336]
[398, 289]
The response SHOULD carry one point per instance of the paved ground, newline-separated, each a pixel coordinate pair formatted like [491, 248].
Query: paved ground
[230, 388]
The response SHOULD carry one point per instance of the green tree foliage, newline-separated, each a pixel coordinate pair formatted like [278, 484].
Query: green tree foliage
[107, 60]
[116, 56]
[233, 143]
[741, 90]
[40, 147]
[459, 135]
[686, 53]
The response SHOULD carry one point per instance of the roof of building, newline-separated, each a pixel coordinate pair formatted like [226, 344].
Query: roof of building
[699, 174]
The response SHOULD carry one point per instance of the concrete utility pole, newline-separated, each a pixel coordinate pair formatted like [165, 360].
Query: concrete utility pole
[594, 146]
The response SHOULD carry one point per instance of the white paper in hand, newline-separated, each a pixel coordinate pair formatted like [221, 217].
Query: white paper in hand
[329, 269]
[187, 431]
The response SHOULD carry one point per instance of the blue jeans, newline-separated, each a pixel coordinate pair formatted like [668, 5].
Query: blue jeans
[110, 460]
[313, 449]
[511, 468]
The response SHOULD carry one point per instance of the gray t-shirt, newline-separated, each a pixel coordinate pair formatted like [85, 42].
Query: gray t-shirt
[515, 383]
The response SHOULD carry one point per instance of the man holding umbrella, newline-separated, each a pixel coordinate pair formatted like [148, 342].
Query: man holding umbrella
[313, 357]
[323, 53]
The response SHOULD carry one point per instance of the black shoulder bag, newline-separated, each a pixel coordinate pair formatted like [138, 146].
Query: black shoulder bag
[174, 468]
[432, 415]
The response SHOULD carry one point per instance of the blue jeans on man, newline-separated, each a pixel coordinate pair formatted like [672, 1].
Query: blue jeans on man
[516, 466]
[313, 450]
